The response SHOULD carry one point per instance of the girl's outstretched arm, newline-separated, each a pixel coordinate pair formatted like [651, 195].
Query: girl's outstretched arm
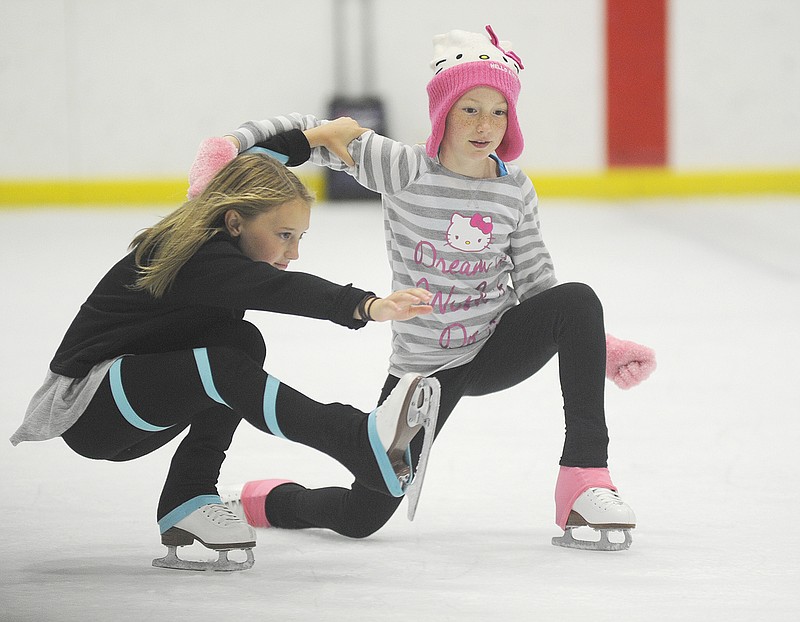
[403, 304]
[378, 160]
[336, 136]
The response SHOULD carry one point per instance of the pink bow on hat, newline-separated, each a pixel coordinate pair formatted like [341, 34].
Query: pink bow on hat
[496, 43]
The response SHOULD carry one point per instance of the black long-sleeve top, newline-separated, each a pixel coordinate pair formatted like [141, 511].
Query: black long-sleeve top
[219, 283]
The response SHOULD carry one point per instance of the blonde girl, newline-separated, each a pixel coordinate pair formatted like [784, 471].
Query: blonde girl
[160, 346]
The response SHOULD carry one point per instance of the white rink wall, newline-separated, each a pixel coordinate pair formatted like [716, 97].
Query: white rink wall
[734, 84]
[99, 89]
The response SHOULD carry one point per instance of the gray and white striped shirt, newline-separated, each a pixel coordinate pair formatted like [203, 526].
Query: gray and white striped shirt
[461, 238]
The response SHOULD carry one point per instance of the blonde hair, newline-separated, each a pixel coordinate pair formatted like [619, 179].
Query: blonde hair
[250, 184]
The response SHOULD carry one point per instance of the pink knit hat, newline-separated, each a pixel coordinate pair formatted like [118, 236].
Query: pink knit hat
[465, 60]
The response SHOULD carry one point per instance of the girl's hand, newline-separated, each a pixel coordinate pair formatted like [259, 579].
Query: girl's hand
[628, 363]
[336, 135]
[401, 305]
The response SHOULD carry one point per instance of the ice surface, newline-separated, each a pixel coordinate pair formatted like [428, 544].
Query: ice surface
[705, 451]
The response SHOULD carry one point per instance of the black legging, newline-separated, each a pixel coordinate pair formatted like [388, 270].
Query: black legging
[568, 320]
[147, 400]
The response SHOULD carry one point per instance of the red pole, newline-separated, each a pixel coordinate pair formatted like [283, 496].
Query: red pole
[636, 110]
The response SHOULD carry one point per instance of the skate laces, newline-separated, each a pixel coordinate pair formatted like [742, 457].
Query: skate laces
[220, 514]
[231, 501]
[606, 497]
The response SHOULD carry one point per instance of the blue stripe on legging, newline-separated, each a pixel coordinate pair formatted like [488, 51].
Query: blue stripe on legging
[270, 391]
[204, 368]
[270, 397]
[183, 510]
[124, 406]
[389, 476]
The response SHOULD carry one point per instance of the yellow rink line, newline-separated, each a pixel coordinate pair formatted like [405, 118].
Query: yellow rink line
[611, 184]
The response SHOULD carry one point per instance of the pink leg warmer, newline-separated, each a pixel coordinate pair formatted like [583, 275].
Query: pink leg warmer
[572, 483]
[253, 496]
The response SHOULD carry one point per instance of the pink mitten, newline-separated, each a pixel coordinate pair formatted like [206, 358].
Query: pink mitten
[213, 155]
[628, 363]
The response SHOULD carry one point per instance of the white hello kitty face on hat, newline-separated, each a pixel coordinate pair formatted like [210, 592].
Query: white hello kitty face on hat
[459, 46]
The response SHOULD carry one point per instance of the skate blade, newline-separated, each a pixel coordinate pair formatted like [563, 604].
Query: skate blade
[407, 429]
[221, 564]
[427, 419]
[603, 544]
[395, 462]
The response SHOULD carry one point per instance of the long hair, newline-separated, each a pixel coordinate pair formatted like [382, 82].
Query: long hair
[250, 184]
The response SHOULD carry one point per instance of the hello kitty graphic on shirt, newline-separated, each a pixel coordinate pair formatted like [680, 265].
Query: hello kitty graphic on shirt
[469, 278]
[470, 235]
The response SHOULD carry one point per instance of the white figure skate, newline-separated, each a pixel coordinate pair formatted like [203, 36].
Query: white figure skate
[602, 510]
[216, 528]
[414, 402]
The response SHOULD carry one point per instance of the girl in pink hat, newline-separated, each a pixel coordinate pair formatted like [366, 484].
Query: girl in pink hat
[462, 222]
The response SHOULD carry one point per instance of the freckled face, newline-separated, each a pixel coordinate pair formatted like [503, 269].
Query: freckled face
[274, 236]
[475, 126]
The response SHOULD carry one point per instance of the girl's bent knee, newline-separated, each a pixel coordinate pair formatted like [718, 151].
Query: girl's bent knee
[582, 296]
[580, 291]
